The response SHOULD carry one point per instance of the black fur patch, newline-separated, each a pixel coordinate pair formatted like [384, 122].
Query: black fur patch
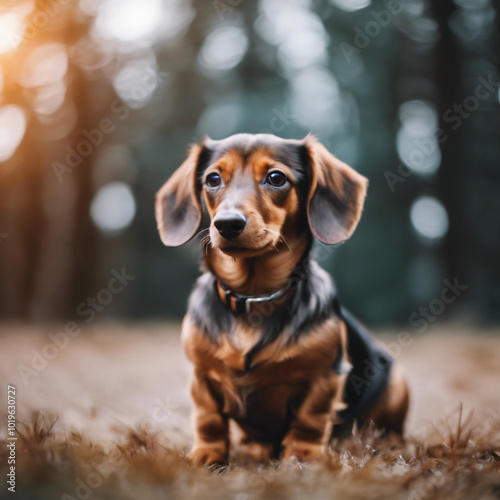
[207, 311]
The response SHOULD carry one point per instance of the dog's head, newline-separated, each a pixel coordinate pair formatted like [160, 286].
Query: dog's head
[259, 190]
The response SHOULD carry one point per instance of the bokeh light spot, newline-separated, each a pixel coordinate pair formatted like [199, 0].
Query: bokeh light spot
[113, 208]
[219, 120]
[128, 20]
[351, 5]
[416, 140]
[303, 50]
[315, 100]
[12, 129]
[46, 65]
[429, 218]
[11, 31]
[136, 82]
[223, 49]
[50, 98]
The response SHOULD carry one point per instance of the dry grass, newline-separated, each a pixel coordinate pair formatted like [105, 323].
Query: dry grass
[459, 463]
[63, 451]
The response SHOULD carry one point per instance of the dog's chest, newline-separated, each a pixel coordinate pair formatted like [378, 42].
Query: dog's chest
[264, 394]
[235, 346]
[262, 398]
[271, 387]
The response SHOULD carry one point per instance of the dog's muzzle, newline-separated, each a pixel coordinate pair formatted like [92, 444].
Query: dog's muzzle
[230, 224]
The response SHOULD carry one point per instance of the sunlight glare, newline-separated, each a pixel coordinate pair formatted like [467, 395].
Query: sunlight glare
[46, 65]
[11, 31]
[12, 129]
[128, 20]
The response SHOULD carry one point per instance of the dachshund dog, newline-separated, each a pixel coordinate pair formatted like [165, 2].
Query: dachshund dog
[272, 349]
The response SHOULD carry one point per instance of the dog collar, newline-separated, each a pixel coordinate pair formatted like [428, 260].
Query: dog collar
[260, 304]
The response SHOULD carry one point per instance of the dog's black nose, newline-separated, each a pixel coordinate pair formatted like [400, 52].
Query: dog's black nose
[230, 224]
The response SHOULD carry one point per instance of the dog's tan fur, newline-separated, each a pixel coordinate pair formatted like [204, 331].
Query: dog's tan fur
[261, 261]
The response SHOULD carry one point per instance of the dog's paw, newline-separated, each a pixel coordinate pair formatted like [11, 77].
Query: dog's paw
[207, 456]
[259, 452]
[303, 452]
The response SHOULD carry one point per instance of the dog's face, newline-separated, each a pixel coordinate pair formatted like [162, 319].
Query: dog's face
[259, 191]
[253, 200]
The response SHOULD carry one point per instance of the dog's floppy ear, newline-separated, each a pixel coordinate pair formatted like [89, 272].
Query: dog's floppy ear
[178, 207]
[336, 195]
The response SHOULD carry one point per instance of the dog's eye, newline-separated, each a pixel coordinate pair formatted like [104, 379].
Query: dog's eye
[276, 179]
[213, 180]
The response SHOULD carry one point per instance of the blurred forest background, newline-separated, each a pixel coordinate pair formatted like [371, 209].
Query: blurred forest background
[99, 101]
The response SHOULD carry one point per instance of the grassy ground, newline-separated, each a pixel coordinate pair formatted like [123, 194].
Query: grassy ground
[108, 418]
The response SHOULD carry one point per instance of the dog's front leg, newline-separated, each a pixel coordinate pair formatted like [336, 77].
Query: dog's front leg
[309, 434]
[211, 443]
